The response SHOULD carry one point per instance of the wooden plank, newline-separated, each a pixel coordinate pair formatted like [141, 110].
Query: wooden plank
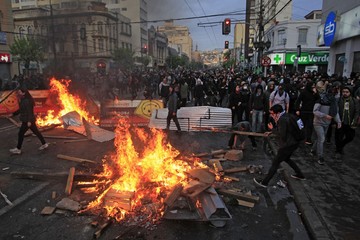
[250, 133]
[239, 195]
[175, 193]
[218, 152]
[70, 181]
[199, 155]
[47, 210]
[101, 229]
[75, 159]
[53, 175]
[60, 137]
[203, 175]
[77, 140]
[194, 188]
[245, 203]
[236, 169]
[232, 178]
[218, 167]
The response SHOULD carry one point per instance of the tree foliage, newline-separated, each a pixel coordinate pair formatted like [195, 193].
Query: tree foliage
[124, 57]
[27, 50]
[175, 61]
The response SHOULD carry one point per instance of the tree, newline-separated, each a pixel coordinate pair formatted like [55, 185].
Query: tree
[27, 50]
[125, 57]
[175, 61]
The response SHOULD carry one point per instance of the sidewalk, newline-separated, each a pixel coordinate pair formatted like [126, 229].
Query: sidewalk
[329, 199]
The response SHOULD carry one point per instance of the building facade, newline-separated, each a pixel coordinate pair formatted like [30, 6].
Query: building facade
[7, 66]
[157, 48]
[136, 11]
[340, 30]
[260, 15]
[80, 36]
[286, 36]
[178, 36]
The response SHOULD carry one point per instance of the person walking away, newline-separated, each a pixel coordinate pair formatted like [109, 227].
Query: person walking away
[325, 109]
[27, 118]
[172, 109]
[304, 106]
[183, 92]
[243, 126]
[270, 88]
[199, 93]
[348, 113]
[234, 104]
[244, 102]
[287, 145]
[257, 108]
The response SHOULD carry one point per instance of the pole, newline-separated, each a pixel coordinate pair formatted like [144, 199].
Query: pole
[261, 29]
[53, 36]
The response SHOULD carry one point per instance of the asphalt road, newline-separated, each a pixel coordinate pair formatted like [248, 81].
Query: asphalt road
[276, 216]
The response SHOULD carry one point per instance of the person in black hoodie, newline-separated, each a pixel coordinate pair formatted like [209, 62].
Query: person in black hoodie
[287, 145]
[27, 118]
[304, 106]
[257, 105]
[173, 107]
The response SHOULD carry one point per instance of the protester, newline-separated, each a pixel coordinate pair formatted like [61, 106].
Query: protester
[279, 96]
[173, 107]
[348, 113]
[164, 91]
[287, 145]
[27, 118]
[258, 107]
[243, 126]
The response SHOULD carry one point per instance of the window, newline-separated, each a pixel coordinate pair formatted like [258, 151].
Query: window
[22, 32]
[101, 45]
[302, 35]
[29, 30]
[84, 48]
[356, 62]
[100, 28]
[94, 45]
[124, 9]
[281, 37]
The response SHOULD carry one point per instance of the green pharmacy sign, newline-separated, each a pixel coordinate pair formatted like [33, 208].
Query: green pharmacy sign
[308, 58]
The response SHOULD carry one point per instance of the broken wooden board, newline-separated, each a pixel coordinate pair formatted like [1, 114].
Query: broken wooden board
[47, 210]
[96, 133]
[70, 181]
[218, 152]
[194, 188]
[237, 194]
[236, 169]
[203, 175]
[118, 199]
[231, 178]
[245, 203]
[175, 193]
[218, 167]
[234, 155]
[75, 159]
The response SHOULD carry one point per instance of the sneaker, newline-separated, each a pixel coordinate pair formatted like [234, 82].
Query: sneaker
[42, 147]
[15, 151]
[308, 143]
[321, 161]
[259, 182]
[298, 177]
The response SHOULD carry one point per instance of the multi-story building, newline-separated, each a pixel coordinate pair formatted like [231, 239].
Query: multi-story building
[286, 36]
[7, 68]
[77, 35]
[260, 14]
[157, 48]
[136, 11]
[178, 35]
[239, 42]
[340, 29]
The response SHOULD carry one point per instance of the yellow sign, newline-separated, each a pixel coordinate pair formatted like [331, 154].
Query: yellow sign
[10, 104]
[145, 107]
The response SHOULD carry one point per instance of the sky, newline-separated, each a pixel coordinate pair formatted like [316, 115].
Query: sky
[209, 38]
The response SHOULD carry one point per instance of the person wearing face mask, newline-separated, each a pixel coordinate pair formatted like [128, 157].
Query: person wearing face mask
[287, 145]
[348, 113]
[27, 118]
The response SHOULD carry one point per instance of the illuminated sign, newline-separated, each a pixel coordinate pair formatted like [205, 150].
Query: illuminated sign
[308, 58]
[5, 57]
[329, 29]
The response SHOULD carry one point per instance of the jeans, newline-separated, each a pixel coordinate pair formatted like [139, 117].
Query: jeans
[320, 139]
[257, 119]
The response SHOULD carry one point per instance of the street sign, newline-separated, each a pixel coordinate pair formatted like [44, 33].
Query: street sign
[265, 61]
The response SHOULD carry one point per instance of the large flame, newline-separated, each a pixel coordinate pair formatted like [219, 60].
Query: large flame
[66, 102]
[150, 173]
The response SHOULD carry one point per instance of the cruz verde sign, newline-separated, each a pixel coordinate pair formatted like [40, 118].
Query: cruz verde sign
[308, 58]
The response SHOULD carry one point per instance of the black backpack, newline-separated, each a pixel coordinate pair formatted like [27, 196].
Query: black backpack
[297, 127]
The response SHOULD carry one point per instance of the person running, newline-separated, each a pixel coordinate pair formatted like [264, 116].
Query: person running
[27, 118]
[287, 145]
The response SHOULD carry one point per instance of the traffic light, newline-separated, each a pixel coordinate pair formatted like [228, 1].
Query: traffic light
[226, 26]
[226, 44]
[144, 49]
[298, 52]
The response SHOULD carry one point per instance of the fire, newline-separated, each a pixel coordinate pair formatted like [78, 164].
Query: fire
[66, 101]
[144, 167]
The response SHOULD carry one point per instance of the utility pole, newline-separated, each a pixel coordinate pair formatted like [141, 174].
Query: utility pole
[53, 36]
[261, 32]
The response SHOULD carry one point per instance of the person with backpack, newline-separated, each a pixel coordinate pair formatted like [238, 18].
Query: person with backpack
[348, 113]
[288, 143]
[280, 97]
